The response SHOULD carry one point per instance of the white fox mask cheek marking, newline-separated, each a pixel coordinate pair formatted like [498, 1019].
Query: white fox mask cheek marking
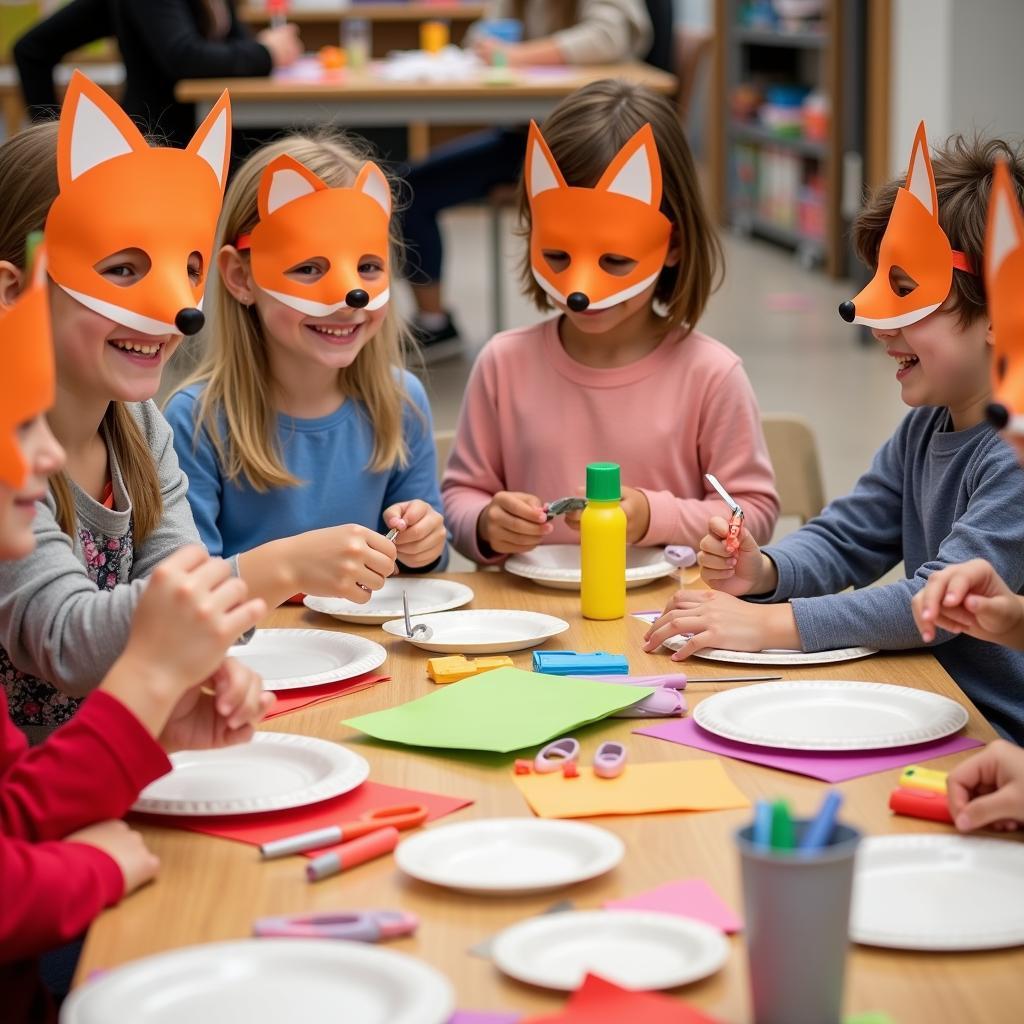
[118, 193]
[620, 216]
[1004, 287]
[915, 243]
[302, 218]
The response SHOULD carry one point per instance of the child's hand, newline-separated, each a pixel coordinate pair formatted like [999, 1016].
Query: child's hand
[634, 504]
[125, 847]
[969, 598]
[739, 573]
[422, 535]
[341, 561]
[988, 789]
[192, 610]
[721, 620]
[238, 704]
[513, 523]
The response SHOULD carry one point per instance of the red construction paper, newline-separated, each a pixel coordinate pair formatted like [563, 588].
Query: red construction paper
[598, 1001]
[305, 696]
[257, 829]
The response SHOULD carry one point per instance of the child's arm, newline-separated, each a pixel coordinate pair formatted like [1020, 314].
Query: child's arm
[988, 789]
[486, 521]
[413, 495]
[51, 892]
[971, 599]
[730, 444]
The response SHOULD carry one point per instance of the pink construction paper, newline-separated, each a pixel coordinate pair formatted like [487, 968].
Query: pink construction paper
[829, 766]
[689, 897]
[471, 1017]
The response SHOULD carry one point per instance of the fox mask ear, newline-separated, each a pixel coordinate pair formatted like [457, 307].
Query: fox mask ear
[1004, 234]
[636, 170]
[540, 170]
[920, 176]
[212, 140]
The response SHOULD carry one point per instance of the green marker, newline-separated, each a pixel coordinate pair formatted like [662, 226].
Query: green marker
[783, 833]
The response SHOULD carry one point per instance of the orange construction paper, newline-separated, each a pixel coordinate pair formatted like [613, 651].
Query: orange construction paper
[257, 829]
[1004, 285]
[598, 1001]
[302, 218]
[28, 379]
[640, 789]
[915, 242]
[117, 192]
[620, 216]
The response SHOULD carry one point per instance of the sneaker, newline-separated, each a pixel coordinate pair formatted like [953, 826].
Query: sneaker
[437, 343]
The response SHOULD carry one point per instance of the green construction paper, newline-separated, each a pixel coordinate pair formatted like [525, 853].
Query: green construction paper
[501, 711]
[870, 1018]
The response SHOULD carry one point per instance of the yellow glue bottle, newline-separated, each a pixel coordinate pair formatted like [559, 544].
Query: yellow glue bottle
[603, 545]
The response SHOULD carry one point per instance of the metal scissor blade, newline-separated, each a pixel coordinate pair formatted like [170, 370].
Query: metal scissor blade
[722, 492]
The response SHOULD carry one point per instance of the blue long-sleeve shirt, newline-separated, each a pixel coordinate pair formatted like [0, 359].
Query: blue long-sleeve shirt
[330, 454]
[932, 497]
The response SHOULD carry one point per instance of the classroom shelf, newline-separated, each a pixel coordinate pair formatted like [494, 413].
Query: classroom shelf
[744, 131]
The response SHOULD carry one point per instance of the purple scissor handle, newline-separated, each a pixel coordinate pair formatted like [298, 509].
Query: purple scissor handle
[680, 556]
[353, 926]
[556, 755]
[610, 760]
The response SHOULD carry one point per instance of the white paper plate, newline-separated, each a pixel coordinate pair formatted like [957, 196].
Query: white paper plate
[290, 658]
[558, 566]
[830, 714]
[267, 981]
[425, 596]
[635, 949]
[935, 892]
[275, 771]
[775, 656]
[503, 856]
[484, 631]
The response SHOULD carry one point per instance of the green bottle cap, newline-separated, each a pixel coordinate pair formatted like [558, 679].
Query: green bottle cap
[603, 482]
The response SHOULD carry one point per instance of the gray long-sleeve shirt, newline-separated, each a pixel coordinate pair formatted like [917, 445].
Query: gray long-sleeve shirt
[66, 609]
[932, 497]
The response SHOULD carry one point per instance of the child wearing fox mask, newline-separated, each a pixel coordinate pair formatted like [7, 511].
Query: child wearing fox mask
[621, 248]
[129, 234]
[943, 489]
[301, 416]
[64, 853]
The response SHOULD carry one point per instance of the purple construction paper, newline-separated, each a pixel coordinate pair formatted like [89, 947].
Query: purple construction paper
[827, 765]
[469, 1017]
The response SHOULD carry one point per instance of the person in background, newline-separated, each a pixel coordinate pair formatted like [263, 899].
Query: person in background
[584, 32]
[161, 42]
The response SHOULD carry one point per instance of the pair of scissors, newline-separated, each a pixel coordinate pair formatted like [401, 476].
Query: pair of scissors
[420, 631]
[563, 505]
[732, 541]
[400, 817]
[390, 535]
[353, 926]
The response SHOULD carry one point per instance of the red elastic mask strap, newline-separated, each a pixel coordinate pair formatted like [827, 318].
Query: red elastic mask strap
[243, 242]
[961, 261]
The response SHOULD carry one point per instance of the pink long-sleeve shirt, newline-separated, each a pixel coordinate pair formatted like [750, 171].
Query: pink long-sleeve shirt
[533, 418]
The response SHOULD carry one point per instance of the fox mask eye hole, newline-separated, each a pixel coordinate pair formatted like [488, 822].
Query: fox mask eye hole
[309, 271]
[616, 265]
[124, 267]
[195, 267]
[901, 283]
[1001, 367]
[557, 259]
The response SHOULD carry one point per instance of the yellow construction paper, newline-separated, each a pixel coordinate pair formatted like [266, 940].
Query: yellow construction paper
[640, 789]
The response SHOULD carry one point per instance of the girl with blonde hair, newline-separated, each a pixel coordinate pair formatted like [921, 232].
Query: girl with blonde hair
[300, 415]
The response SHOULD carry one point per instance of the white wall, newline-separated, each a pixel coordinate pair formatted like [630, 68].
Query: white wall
[958, 65]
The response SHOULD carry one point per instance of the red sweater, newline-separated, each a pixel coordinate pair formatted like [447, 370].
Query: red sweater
[89, 770]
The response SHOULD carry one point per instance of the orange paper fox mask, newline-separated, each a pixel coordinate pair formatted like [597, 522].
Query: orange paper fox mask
[915, 243]
[575, 229]
[302, 219]
[1004, 286]
[116, 193]
[27, 383]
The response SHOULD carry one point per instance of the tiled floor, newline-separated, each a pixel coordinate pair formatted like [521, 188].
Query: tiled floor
[780, 318]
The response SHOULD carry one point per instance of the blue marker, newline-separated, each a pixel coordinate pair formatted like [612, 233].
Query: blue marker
[763, 825]
[819, 831]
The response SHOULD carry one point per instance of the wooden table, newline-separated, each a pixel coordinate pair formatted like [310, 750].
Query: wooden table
[212, 889]
[364, 98]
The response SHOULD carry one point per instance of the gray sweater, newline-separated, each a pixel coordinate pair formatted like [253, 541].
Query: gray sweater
[66, 609]
[932, 497]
